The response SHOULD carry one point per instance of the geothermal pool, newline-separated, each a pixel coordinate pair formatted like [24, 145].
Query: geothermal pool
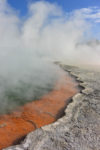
[32, 115]
[20, 87]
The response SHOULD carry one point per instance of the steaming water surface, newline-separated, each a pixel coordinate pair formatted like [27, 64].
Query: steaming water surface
[16, 90]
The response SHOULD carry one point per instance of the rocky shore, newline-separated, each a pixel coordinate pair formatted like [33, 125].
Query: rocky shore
[79, 128]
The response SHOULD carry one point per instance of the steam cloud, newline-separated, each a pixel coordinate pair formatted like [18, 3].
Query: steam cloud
[29, 44]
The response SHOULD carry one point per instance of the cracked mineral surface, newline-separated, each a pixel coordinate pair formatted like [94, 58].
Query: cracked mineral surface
[79, 128]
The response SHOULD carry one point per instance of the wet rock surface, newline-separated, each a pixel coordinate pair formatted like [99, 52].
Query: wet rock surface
[79, 129]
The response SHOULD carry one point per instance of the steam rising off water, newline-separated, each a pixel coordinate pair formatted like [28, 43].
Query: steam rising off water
[29, 44]
[17, 90]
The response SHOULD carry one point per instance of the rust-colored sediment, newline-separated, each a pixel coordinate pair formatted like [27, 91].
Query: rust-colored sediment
[37, 113]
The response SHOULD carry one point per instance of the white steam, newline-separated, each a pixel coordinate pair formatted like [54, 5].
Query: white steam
[28, 44]
[45, 32]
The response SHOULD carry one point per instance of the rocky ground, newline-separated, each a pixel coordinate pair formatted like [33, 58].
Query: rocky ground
[79, 129]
